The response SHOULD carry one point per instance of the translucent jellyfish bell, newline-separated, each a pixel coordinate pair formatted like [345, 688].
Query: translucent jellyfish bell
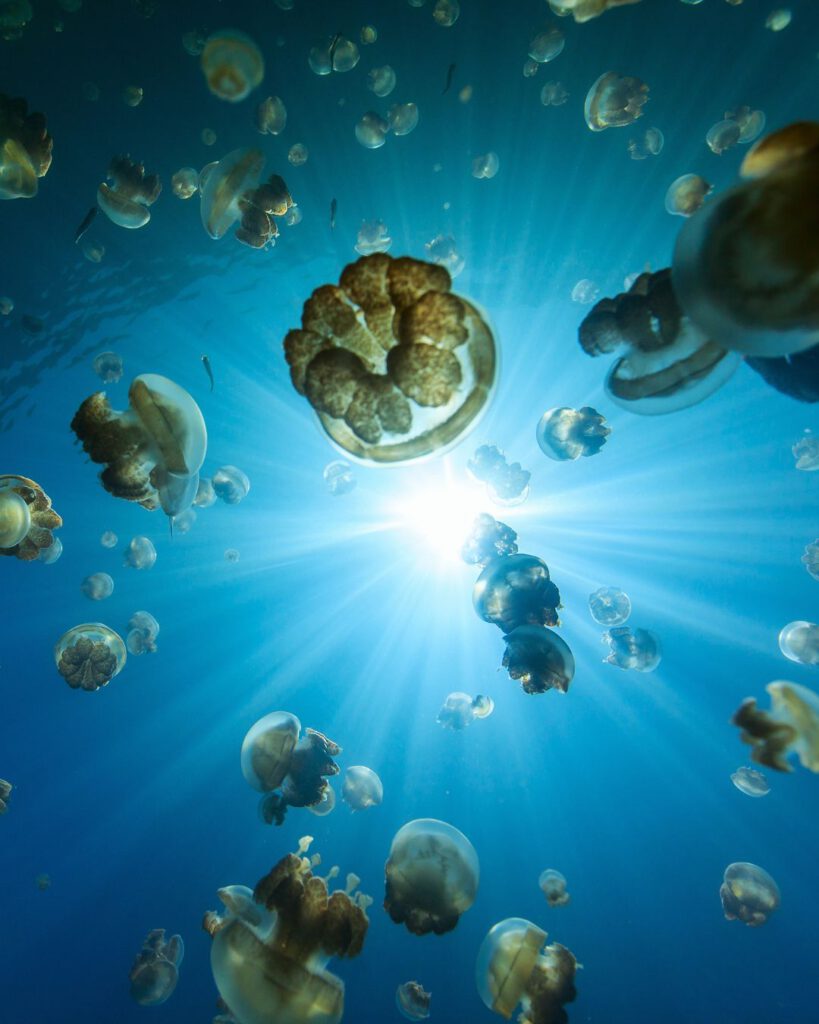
[799, 641]
[585, 292]
[585, 10]
[806, 452]
[539, 658]
[205, 494]
[108, 367]
[381, 80]
[456, 712]
[25, 146]
[127, 200]
[443, 251]
[51, 554]
[614, 101]
[362, 788]
[486, 165]
[155, 970]
[723, 136]
[267, 749]
[5, 793]
[810, 559]
[143, 631]
[553, 94]
[339, 478]
[748, 894]
[27, 520]
[230, 484]
[566, 434]
[140, 553]
[271, 116]
[633, 648]
[686, 195]
[553, 886]
[516, 590]
[445, 12]
[327, 803]
[488, 539]
[432, 876]
[790, 727]
[89, 656]
[547, 45]
[15, 518]
[609, 606]
[232, 64]
[185, 183]
[371, 130]
[750, 782]
[507, 483]
[751, 123]
[373, 236]
[412, 1000]
[98, 586]
[402, 118]
[225, 186]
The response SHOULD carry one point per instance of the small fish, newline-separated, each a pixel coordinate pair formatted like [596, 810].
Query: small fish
[208, 371]
[87, 221]
[449, 74]
[333, 208]
[333, 45]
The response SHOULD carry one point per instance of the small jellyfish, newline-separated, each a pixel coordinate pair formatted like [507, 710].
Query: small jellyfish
[750, 782]
[155, 971]
[488, 539]
[5, 793]
[232, 64]
[93, 251]
[109, 539]
[585, 10]
[539, 658]
[632, 648]
[339, 478]
[651, 144]
[368, 34]
[208, 137]
[185, 183]
[140, 553]
[344, 54]
[143, 630]
[297, 154]
[751, 123]
[507, 482]
[530, 68]
[748, 894]
[609, 606]
[230, 484]
[132, 95]
[326, 804]
[27, 520]
[432, 876]
[485, 166]
[51, 554]
[547, 45]
[442, 250]
[89, 656]
[614, 101]
[553, 886]
[806, 452]
[516, 967]
[362, 788]
[686, 195]
[553, 94]
[402, 118]
[371, 130]
[193, 42]
[108, 367]
[778, 19]
[566, 434]
[373, 236]
[482, 706]
[271, 116]
[127, 201]
[799, 641]
[516, 590]
[722, 136]
[412, 1000]
[205, 494]
[810, 559]
[459, 710]
[25, 147]
[98, 586]
[6, 305]
[445, 12]
[381, 80]
[585, 292]
[43, 882]
[231, 555]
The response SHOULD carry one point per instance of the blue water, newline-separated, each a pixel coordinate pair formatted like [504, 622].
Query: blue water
[341, 610]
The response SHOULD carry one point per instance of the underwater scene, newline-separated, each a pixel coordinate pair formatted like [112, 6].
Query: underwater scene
[407, 445]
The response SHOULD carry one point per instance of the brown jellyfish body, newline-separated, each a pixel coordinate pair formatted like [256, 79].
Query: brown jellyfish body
[539, 658]
[790, 727]
[126, 202]
[89, 656]
[686, 195]
[232, 64]
[516, 590]
[748, 894]
[614, 101]
[25, 148]
[26, 518]
[585, 10]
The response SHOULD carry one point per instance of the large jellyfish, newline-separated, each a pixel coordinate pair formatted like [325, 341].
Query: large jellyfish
[412, 1000]
[516, 590]
[633, 648]
[614, 101]
[748, 894]
[539, 658]
[609, 606]
[799, 641]
[565, 434]
[128, 199]
[232, 64]
[431, 876]
[460, 709]
[488, 539]
[89, 656]
[506, 482]
[271, 947]
[230, 191]
[26, 519]
[5, 793]
[516, 968]
[750, 782]
[155, 970]
[25, 148]
[790, 727]
[153, 450]
[553, 886]
[669, 363]
[585, 10]
[362, 788]
[395, 365]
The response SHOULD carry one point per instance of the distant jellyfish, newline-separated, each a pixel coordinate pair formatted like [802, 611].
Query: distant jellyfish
[445, 12]
[373, 236]
[748, 894]
[298, 154]
[89, 656]
[271, 116]
[371, 130]
[25, 146]
[412, 1000]
[516, 590]
[155, 971]
[98, 586]
[553, 886]
[507, 482]
[140, 553]
[751, 123]
[208, 137]
[205, 494]
[51, 554]
[810, 559]
[799, 641]
[381, 80]
[488, 539]
[609, 606]
[43, 882]
[185, 183]
[722, 136]
[5, 793]
[460, 709]
[339, 478]
[231, 555]
[750, 782]
[566, 434]
[402, 118]
[193, 42]
[530, 68]
[127, 201]
[93, 251]
[686, 194]
[585, 292]
[132, 95]
[143, 629]
[362, 788]
[585, 10]
[614, 101]
[636, 648]
[368, 34]
[232, 64]
[230, 484]
[553, 94]
[326, 804]
[432, 876]
[547, 45]
[27, 520]
[650, 144]
[778, 19]
[108, 367]
[539, 658]
[515, 967]
[6, 305]
[442, 250]
[485, 166]
[806, 452]
[345, 55]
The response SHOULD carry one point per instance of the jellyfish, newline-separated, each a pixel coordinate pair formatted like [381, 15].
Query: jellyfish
[298, 154]
[445, 12]
[748, 894]
[193, 41]
[553, 94]
[373, 236]
[93, 252]
[539, 658]
[127, 200]
[614, 101]
[43, 882]
[585, 10]
[343, 54]
[362, 788]
[670, 363]
[566, 434]
[132, 95]
[778, 19]
[6, 305]
[259, 207]
[530, 68]
[485, 166]
[205, 494]
[5, 793]
[371, 130]
[381, 80]
[152, 452]
[27, 520]
[368, 34]
[516, 590]
[140, 553]
[395, 365]
[155, 971]
[609, 606]
[806, 452]
[184, 521]
[51, 554]
[208, 137]
[585, 292]
[108, 367]
[795, 375]
[751, 123]
[459, 710]
[722, 136]
[790, 727]
[98, 586]
[799, 641]
[221, 192]
[516, 968]
[553, 886]
[89, 656]
[231, 555]
[339, 478]
[810, 559]
[488, 539]
[230, 484]
[651, 144]
[232, 64]
[432, 876]
[271, 116]
[402, 118]
[545, 46]
[632, 648]
[686, 195]
[185, 183]
[271, 947]
[326, 804]
[750, 782]
[507, 482]
[412, 1000]
[143, 630]
[442, 250]
[25, 147]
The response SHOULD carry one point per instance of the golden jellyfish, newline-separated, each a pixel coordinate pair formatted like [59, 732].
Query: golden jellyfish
[723, 136]
[539, 658]
[232, 64]
[5, 793]
[614, 101]
[402, 118]
[373, 236]
[686, 195]
[133, 95]
[486, 165]
[25, 148]
[553, 94]
[553, 886]
[155, 971]
[89, 656]
[227, 193]
[208, 137]
[108, 367]
[185, 183]
[271, 116]
[26, 519]
[750, 782]
[381, 80]
[567, 434]
[748, 894]
[298, 154]
[368, 35]
[751, 123]
[127, 200]
[395, 365]
[799, 641]
[585, 10]
[651, 144]
[362, 788]
[446, 12]
[516, 590]
[98, 586]
[778, 19]
[371, 130]
[790, 727]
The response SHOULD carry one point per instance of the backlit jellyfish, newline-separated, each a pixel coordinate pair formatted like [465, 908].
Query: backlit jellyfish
[373, 236]
[140, 553]
[127, 200]
[339, 478]
[98, 586]
[5, 793]
[89, 656]
[485, 166]
[381, 80]
[432, 876]
[553, 886]
[547, 45]
[799, 641]
[539, 658]
[43, 882]
[585, 10]
[722, 136]
[155, 971]
[27, 520]
[109, 539]
[395, 365]
[362, 788]
[585, 292]
[566, 434]
[810, 559]
[669, 363]
[609, 606]
[371, 130]
[516, 590]
[507, 482]
[230, 484]
[614, 101]
[778, 19]
[326, 804]
[25, 147]
[757, 232]
[806, 452]
[232, 64]
[402, 118]
[143, 629]
[205, 494]
[636, 648]
[651, 144]
[751, 123]
[231, 555]
[488, 539]
[185, 183]
[515, 967]
[153, 450]
[748, 894]
[750, 782]
[412, 1000]
[790, 727]
[108, 367]
[51, 554]
[271, 116]
[553, 94]
[271, 946]
[132, 95]
[445, 12]
[298, 154]
[460, 709]
[442, 250]
[686, 195]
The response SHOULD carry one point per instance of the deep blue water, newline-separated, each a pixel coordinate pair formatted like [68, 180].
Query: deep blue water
[340, 610]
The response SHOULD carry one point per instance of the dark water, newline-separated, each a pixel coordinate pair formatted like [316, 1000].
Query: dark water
[340, 610]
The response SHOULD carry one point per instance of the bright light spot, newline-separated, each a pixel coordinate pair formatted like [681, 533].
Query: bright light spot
[442, 516]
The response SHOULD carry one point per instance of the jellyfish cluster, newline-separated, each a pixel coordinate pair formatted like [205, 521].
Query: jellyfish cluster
[27, 520]
[128, 199]
[231, 190]
[748, 894]
[791, 727]
[155, 971]
[337, 54]
[89, 656]
[25, 148]
[5, 793]
[487, 539]
[507, 483]
[460, 709]
[372, 129]
[566, 434]
[413, 1000]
